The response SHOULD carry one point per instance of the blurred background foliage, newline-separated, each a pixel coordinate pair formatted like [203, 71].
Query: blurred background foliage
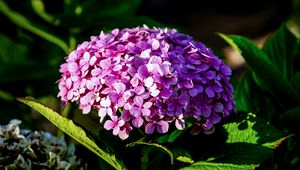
[36, 35]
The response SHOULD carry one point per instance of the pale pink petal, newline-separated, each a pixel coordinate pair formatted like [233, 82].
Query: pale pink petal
[138, 100]
[86, 109]
[134, 81]
[155, 93]
[105, 64]
[123, 134]
[155, 44]
[135, 111]
[146, 112]
[116, 130]
[126, 95]
[121, 102]
[137, 122]
[86, 56]
[139, 90]
[95, 72]
[73, 67]
[147, 105]
[117, 67]
[148, 82]
[105, 102]
[145, 54]
[120, 87]
[93, 60]
[179, 123]
[121, 123]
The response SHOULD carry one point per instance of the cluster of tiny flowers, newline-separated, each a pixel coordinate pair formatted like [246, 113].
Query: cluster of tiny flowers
[147, 78]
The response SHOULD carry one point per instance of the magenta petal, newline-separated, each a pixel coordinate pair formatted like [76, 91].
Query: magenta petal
[166, 93]
[108, 125]
[143, 71]
[149, 128]
[114, 97]
[126, 116]
[162, 126]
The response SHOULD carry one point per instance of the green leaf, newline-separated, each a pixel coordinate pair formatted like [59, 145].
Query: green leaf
[280, 48]
[72, 130]
[242, 94]
[39, 8]
[291, 118]
[185, 159]
[264, 69]
[155, 145]
[250, 141]
[295, 82]
[9, 56]
[23, 22]
[217, 166]
[171, 137]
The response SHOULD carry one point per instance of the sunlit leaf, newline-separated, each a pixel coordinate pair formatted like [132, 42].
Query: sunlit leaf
[74, 131]
[250, 140]
[217, 166]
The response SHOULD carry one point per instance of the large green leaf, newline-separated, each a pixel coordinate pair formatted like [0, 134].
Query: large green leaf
[280, 48]
[250, 141]
[265, 71]
[74, 131]
[217, 166]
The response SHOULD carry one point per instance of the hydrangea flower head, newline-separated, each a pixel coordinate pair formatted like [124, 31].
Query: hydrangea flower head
[147, 78]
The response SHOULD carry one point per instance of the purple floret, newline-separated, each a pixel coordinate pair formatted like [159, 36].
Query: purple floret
[155, 77]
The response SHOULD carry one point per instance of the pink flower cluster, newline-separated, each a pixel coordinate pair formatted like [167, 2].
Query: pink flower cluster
[147, 78]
